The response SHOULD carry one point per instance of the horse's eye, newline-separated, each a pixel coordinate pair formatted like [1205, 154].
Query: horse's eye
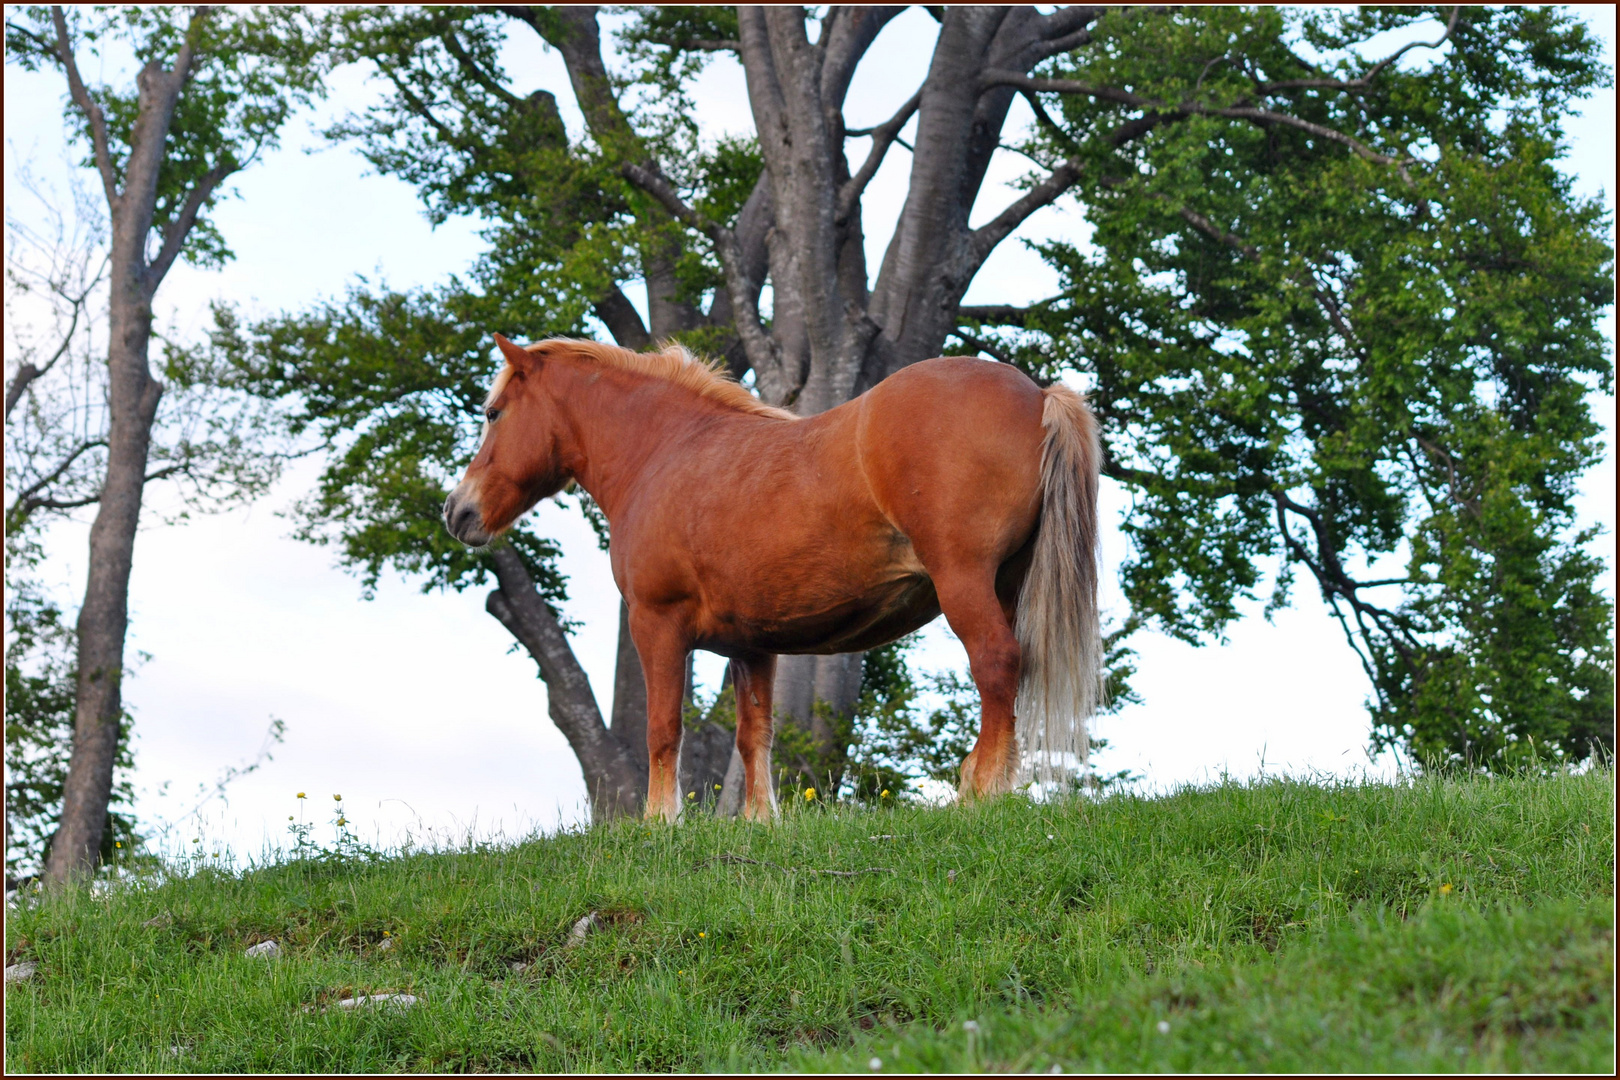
[492, 415]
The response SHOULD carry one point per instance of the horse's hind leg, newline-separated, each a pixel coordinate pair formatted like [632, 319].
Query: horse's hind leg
[978, 617]
[753, 678]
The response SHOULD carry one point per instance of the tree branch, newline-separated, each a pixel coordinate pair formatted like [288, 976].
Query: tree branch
[1214, 232]
[1365, 80]
[976, 342]
[27, 372]
[999, 314]
[174, 237]
[622, 320]
[743, 290]
[81, 97]
[420, 107]
[1159, 112]
[1001, 77]
[982, 241]
[708, 45]
[45, 481]
[609, 772]
[883, 136]
[452, 45]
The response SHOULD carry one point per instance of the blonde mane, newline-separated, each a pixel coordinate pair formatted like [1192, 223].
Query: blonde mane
[672, 364]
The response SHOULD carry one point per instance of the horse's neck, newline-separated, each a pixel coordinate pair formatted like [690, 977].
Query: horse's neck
[620, 433]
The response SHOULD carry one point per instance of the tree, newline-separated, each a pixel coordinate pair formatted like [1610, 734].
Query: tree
[211, 93]
[1342, 318]
[1180, 133]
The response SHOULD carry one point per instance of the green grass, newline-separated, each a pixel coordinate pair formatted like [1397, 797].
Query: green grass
[1446, 924]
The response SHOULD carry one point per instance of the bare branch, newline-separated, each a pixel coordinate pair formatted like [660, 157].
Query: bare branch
[27, 373]
[1365, 80]
[975, 342]
[1159, 112]
[92, 111]
[708, 45]
[452, 45]
[420, 107]
[883, 136]
[982, 241]
[1000, 77]
[659, 188]
[1270, 117]
[55, 474]
[999, 314]
[1214, 232]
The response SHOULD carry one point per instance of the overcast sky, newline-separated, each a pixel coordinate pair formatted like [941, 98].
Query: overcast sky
[413, 705]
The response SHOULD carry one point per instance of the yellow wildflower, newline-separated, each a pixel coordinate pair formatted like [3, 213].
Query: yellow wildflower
[809, 793]
[1445, 889]
[337, 798]
[300, 794]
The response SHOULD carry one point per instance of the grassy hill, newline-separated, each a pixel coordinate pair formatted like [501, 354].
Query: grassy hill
[1438, 925]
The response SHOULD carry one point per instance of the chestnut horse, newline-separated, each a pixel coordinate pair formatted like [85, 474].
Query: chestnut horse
[955, 485]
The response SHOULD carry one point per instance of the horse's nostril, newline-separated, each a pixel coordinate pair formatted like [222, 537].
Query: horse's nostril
[466, 519]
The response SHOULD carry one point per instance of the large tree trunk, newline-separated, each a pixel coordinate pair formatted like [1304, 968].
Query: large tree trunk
[104, 616]
[133, 396]
[615, 784]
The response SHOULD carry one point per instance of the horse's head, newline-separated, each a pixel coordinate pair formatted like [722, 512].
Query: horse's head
[519, 462]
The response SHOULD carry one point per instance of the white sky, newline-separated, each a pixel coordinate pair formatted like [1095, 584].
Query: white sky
[410, 705]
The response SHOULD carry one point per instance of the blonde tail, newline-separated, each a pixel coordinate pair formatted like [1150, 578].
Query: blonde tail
[1058, 626]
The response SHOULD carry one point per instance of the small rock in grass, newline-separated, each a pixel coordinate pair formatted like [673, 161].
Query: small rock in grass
[950, 876]
[159, 921]
[582, 930]
[875, 1064]
[19, 972]
[266, 949]
[370, 1001]
[385, 945]
[518, 967]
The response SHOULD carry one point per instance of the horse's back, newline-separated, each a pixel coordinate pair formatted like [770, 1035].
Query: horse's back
[951, 451]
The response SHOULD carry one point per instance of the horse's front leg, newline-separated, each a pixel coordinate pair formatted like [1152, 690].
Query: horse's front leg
[753, 678]
[663, 651]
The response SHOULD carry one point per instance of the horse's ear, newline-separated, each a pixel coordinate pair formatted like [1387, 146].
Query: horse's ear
[514, 355]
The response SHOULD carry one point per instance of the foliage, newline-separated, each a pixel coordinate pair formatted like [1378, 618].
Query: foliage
[254, 67]
[393, 385]
[1352, 327]
[1431, 924]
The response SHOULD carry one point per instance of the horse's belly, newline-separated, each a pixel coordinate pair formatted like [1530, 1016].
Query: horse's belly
[850, 620]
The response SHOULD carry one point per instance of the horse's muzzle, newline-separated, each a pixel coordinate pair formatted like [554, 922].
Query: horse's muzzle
[462, 518]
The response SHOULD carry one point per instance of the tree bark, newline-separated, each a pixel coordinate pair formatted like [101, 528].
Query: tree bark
[133, 396]
[615, 785]
[630, 697]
